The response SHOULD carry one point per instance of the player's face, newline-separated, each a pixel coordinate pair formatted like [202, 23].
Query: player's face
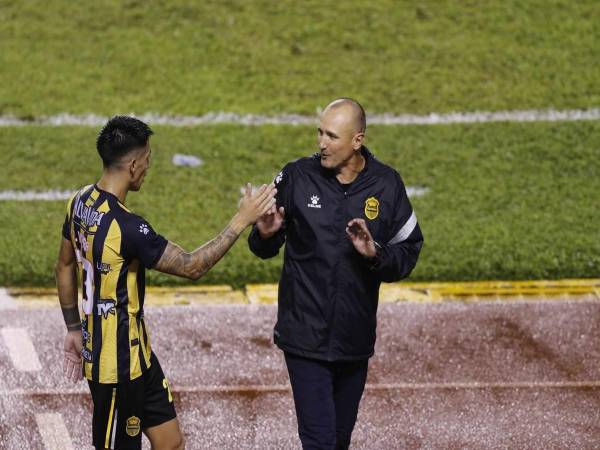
[140, 167]
[337, 138]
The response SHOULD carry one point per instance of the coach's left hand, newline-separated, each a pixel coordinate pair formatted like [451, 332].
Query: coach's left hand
[361, 238]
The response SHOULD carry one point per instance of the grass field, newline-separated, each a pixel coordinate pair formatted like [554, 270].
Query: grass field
[268, 57]
[506, 201]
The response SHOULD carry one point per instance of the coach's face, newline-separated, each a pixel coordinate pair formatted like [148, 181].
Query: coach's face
[338, 137]
[139, 166]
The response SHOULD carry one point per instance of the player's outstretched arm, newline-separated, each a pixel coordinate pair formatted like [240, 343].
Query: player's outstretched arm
[66, 282]
[194, 265]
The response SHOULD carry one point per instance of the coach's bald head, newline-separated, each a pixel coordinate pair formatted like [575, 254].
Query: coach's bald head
[352, 110]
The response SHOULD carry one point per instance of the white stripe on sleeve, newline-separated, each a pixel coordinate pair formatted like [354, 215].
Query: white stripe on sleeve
[405, 231]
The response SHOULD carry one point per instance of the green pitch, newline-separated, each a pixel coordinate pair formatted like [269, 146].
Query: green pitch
[263, 56]
[506, 201]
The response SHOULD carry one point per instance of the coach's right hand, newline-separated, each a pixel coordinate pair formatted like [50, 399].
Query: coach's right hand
[252, 206]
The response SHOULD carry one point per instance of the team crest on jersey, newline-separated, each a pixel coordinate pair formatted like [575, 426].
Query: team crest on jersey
[133, 426]
[106, 307]
[371, 208]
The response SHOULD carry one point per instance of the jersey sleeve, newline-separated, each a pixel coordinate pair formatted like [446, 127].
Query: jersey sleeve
[140, 241]
[66, 228]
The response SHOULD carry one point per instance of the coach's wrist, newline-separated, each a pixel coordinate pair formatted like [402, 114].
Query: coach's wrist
[374, 260]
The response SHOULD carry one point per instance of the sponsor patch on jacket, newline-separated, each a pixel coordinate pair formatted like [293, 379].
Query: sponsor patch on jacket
[371, 208]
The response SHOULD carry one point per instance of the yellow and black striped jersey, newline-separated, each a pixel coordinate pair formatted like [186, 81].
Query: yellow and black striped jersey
[113, 248]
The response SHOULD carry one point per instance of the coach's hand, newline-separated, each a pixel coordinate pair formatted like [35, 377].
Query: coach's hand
[361, 238]
[271, 222]
[254, 205]
[72, 356]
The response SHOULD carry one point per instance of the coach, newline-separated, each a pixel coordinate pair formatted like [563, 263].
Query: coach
[348, 225]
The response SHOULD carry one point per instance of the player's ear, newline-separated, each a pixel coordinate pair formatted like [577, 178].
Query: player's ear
[133, 165]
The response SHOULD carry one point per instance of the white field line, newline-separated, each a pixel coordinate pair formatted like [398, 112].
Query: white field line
[212, 118]
[280, 388]
[53, 431]
[25, 196]
[55, 195]
[21, 349]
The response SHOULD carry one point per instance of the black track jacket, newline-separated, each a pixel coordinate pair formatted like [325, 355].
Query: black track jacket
[328, 292]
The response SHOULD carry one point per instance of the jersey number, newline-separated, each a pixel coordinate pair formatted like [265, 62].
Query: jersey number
[87, 302]
[87, 275]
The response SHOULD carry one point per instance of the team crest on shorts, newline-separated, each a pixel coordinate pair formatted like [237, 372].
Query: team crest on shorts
[371, 208]
[133, 426]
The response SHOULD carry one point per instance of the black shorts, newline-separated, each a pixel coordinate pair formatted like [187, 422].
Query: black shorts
[123, 410]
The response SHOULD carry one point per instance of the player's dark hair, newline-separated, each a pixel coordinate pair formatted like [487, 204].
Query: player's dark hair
[119, 136]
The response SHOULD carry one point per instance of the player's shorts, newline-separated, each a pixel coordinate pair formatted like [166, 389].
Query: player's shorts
[123, 410]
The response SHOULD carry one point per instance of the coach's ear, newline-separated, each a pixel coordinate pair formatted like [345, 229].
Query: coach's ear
[357, 140]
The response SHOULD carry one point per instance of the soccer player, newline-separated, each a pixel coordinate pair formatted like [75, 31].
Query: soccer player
[347, 225]
[111, 248]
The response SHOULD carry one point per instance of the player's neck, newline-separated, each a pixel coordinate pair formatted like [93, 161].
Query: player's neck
[347, 173]
[114, 184]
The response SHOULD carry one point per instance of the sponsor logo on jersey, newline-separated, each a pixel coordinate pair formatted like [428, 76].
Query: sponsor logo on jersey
[371, 208]
[106, 307]
[104, 268]
[86, 355]
[88, 215]
[85, 336]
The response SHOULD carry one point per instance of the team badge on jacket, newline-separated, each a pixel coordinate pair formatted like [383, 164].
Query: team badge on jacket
[133, 426]
[371, 208]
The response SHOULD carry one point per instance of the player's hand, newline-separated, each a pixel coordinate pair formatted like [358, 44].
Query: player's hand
[252, 206]
[270, 223]
[72, 356]
[361, 238]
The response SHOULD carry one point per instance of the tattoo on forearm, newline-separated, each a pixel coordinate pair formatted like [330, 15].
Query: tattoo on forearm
[197, 263]
[72, 319]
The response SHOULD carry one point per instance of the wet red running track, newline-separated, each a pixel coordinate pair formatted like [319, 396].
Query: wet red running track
[445, 376]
